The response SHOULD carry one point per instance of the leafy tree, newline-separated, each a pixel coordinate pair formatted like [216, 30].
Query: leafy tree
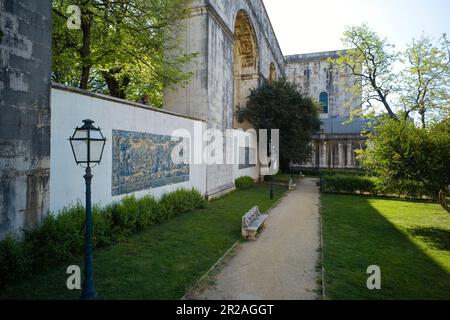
[121, 46]
[371, 60]
[410, 159]
[420, 90]
[426, 79]
[280, 105]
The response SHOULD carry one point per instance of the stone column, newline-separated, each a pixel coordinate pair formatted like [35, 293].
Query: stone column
[341, 155]
[25, 80]
[331, 148]
[324, 155]
[349, 154]
[313, 154]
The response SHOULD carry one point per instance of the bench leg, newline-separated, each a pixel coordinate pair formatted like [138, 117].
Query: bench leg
[251, 235]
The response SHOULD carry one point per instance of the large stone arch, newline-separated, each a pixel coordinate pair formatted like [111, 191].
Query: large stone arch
[234, 44]
[246, 62]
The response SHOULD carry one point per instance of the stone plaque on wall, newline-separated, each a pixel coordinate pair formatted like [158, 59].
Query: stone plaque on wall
[143, 160]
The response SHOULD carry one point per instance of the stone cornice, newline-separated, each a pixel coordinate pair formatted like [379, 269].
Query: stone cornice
[209, 9]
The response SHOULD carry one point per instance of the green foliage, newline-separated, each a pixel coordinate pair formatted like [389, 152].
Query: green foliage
[14, 261]
[180, 202]
[318, 172]
[127, 48]
[408, 159]
[280, 105]
[61, 238]
[426, 80]
[370, 59]
[168, 258]
[350, 172]
[419, 90]
[244, 183]
[341, 183]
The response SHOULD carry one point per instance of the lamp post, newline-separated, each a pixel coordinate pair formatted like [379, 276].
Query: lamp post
[87, 145]
[270, 165]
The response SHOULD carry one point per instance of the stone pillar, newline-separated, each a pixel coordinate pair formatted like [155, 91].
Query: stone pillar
[341, 155]
[25, 70]
[313, 154]
[349, 154]
[324, 155]
[330, 164]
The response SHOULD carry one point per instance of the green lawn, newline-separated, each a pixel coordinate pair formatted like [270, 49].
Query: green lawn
[162, 262]
[409, 241]
[284, 177]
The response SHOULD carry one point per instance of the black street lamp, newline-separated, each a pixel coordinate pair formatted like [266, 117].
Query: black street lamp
[87, 145]
[270, 166]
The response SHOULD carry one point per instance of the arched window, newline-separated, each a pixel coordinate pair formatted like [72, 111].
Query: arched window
[246, 62]
[323, 99]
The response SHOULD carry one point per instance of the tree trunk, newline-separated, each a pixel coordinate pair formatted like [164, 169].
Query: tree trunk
[85, 50]
[385, 102]
[443, 194]
[116, 87]
[424, 124]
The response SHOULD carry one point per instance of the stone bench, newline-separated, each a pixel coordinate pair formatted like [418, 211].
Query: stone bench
[252, 221]
[292, 184]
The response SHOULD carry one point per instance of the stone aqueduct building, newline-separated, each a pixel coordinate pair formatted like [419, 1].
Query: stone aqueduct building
[237, 48]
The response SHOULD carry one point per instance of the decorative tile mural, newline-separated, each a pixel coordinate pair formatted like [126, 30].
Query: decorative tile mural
[246, 156]
[142, 161]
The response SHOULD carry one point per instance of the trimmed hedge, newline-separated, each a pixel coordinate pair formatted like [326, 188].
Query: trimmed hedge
[244, 183]
[340, 183]
[360, 184]
[61, 238]
[319, 172]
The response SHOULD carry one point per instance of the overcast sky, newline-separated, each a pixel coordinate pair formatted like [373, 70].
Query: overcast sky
[304, 26]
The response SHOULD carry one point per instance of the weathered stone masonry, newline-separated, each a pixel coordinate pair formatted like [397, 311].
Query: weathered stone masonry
[236, 49]
[334, 146]
[25, 64]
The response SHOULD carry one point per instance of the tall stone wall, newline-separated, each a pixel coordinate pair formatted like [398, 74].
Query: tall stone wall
[210, 95]
[25, 64]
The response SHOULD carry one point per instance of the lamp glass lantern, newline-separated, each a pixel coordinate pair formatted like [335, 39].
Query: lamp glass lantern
[87, 144]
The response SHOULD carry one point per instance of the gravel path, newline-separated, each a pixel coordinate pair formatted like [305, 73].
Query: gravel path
[281, 264]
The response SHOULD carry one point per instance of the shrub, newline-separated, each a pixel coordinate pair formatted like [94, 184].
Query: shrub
[147, 212]
[349, 184]
[407, 189]
[14, 261]
[320, 172]
[244, 183]
[354, 183]
[124, 216]
[61, 238]
[57, 239]
[180, 202]
[103, 234]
